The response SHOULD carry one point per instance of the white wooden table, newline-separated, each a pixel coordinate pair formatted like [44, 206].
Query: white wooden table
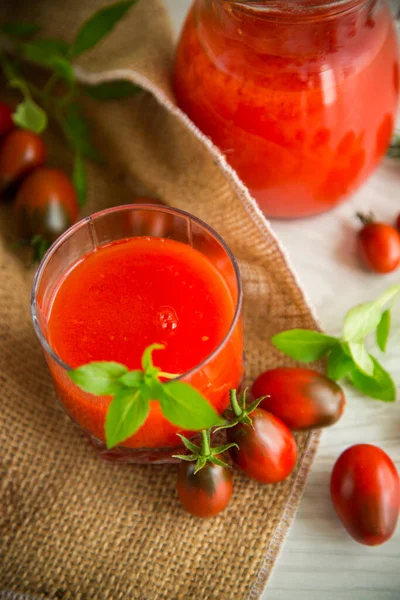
[319, 560]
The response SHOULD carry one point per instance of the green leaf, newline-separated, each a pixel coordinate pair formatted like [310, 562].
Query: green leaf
[98, 26]
[339, 363]
[379, 386]
[185, 407]
[76, 130]
[100, 378]
[361, 357]
[360, 321]
[383, 330]
[112, 90]
[304, 345]
[43, 51]
[126, 414]
[389, 297]
[79, 179]
[19, 30]
[29, 115]
[133, 379]
[147, 361]
[63, 68]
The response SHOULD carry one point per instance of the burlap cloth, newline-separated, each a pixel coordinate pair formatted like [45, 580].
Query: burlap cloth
[72, 526]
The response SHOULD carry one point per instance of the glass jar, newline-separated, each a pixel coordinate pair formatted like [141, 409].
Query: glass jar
[299, 95]
[222, 370]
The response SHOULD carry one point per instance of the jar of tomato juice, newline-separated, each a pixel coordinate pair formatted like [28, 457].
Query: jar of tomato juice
[300, 95]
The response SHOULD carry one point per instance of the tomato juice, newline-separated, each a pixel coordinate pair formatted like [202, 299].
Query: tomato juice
[300, 96]
[123, 296]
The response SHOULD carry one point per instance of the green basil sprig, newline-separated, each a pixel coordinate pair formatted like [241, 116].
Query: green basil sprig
[347, 356]
[23, 45]
[132, 391]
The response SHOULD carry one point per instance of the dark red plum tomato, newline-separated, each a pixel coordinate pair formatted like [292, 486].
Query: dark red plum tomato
[379, 246]
[46, 204]
[205, 493]
[302, 398]
[365, 491]
[21, 151]
[267, 450]
[6, 122]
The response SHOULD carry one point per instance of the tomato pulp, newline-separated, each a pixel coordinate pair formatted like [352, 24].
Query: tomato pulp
[123, 297]
[302, 101]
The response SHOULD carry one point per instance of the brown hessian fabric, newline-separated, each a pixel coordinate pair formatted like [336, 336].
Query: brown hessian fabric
[71, 525]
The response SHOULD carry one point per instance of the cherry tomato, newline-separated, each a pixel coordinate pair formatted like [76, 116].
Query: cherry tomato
[207, 492]
[365, 491]
[6, 122]
[301, 398]
[20, 152]
[379, 245]
[46, 204]
[267, 450]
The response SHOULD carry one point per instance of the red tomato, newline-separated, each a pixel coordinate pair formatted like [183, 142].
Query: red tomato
[365, 491]
[267, 450]
[6, 122]
[379, 246]
[20, 152]
[46, 204]
[207, 492]
[301, 398]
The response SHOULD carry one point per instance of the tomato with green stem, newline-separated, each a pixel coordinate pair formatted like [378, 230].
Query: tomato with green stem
[365, 492]
[46, 205]
[20, 152]
[204, 482]
[266, 449]
[302, 398]
[378, 245]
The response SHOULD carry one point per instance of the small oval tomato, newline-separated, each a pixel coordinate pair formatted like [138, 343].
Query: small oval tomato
[46, 204]
[6, 122]
[365, 491]
[20, 152]
[267, 450]
[207, 492]
[301, 398]
[379, 245]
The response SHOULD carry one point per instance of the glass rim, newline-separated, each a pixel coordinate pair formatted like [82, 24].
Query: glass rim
[155, 207]
[307, 8]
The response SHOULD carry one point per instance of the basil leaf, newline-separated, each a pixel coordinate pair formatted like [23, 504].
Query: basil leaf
[100, 378]
[98, 26]
[29, 115]
[361, 357]
[360, 321]
[185, 407]
[133, 379]
[304, 345]
[339, 363]
[79, 179]
[76, 130]
[19, 30]
[111, 90]
[389, 297]
[383, 330]
[380, 385]
[126, 414]
[147, 361]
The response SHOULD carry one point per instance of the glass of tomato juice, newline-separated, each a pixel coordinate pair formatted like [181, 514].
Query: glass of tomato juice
[128, 277]
[300, 95]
